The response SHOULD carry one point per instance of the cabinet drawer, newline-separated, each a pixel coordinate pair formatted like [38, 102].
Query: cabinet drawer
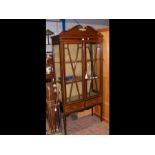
[68, 108]
[93, 102]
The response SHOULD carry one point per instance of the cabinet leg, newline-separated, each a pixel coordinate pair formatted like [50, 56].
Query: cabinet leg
[101, 112]
[92, 111]
[64, 120]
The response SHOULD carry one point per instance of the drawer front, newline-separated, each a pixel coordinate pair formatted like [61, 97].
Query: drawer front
[68, 108]
[93, 102]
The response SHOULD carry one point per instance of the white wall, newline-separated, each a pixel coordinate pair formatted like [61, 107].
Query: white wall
[56, 27]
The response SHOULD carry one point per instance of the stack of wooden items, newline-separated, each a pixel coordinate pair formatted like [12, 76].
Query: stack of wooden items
[53, 111]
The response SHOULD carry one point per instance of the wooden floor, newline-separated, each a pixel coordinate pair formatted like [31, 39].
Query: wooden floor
[88, 125]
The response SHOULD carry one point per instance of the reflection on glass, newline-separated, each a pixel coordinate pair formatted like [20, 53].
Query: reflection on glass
[93, 87]
[93, 68]
[74, 91]
[73, 71]
[73, 52]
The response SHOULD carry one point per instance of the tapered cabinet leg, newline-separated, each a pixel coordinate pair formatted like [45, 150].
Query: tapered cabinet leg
[64, 120]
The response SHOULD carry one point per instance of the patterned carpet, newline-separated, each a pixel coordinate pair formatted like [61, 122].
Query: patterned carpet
[88, 125]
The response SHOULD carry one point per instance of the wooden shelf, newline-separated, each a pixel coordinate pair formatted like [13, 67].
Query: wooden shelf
[92, 79]
[74, 61]
[78, 79]
[73, 81]
[74, 98]
[78, 61]
[94, 93]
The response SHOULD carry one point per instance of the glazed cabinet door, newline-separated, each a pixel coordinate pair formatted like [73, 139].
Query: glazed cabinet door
[73, 62]
[93, 71]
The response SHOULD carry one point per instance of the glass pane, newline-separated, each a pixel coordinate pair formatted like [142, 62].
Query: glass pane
[74, 91]
[92, 51]
[73, 52]
[73, 63]
[93, 87]
[93, 68]
[73, 69]
[97, 67]
[93, 54]
[69, 72]
[78, 69]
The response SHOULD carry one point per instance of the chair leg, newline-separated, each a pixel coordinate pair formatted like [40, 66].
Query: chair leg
[92, 111]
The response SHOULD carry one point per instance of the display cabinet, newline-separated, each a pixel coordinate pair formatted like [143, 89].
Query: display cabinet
[79, 69]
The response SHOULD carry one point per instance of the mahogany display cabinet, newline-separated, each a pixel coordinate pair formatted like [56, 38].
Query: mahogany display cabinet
[79, 69]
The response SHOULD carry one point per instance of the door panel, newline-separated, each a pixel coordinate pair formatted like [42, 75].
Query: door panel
[92, 75]
[73, 72]
[74, 64]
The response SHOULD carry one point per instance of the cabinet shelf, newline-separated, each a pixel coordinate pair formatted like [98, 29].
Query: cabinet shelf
[74, 98]
[73, 81]
[78, 61]
[74, 61]
[93, 59]
[78, 79]
[91, 78]
[93, 93]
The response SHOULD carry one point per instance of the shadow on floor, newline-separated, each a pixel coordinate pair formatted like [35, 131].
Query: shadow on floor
[88, 125]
